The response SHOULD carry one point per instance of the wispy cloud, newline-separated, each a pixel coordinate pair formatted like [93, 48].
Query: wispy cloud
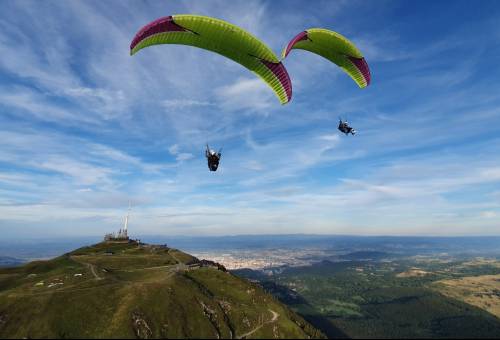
[176, 104]
[251, 94]
[84, 127]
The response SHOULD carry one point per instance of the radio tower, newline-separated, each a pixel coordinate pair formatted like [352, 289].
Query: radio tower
[125, 226]
[122, 234]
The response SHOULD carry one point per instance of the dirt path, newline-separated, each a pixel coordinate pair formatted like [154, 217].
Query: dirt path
[247, 334]
[169, 268]
[146, 268]
[88, 265]
[64, 290]
[175, 257]
[92, 269]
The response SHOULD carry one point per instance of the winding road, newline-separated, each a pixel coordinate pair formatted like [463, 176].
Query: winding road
[89, 265]
[92, 269]
[247, 334]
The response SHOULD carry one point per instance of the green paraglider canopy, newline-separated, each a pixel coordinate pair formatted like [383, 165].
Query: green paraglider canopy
[336, 48]
[220, 37]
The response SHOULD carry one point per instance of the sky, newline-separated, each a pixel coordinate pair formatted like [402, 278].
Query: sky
[85, 128]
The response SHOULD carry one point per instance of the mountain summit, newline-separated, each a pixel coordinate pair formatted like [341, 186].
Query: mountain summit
[134, 290]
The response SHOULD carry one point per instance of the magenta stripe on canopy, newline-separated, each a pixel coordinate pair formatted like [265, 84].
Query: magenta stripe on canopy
[362, 66]
[280, 72]
[165, 24]
[298, 37]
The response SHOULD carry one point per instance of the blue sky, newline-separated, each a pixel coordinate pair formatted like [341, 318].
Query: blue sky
[85, 128]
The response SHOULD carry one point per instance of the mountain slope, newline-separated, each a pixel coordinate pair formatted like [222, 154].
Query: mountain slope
[131, 290]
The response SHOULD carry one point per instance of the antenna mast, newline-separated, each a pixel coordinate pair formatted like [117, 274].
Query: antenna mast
[125, 227]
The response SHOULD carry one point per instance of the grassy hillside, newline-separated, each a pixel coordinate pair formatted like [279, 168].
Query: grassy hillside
[399, 299]
[482, 291]
[137, 291]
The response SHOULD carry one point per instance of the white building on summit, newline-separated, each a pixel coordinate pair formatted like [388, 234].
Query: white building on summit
[122, 234]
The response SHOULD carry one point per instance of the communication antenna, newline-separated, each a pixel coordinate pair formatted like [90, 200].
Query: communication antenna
[125, 227]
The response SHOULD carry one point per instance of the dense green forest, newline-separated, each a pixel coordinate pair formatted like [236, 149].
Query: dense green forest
[389, 299]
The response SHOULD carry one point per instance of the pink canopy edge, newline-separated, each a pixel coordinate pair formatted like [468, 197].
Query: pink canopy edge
[298, 37]
[161, 25]
[279, 70]
[362, 66]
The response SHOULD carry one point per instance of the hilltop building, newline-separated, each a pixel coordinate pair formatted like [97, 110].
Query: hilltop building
[122, 234]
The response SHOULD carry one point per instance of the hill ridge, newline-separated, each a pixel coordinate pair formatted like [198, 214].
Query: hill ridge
[137, 290]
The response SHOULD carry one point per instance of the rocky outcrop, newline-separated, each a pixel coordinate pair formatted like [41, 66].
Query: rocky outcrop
[140, 326]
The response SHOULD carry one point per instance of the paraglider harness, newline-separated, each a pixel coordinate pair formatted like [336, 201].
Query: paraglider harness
[213, 158]
[345, 128]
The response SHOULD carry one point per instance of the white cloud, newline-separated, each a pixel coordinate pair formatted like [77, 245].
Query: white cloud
[174, 149]
[21, 100]
[110, 103]
[85, 190]
[489, 214]
[246, 94]
[85, 127]
[181, 157]
[177, 104]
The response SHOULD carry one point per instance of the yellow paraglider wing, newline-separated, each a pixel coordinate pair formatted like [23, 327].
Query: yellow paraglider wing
[220, 37]
[336, 48]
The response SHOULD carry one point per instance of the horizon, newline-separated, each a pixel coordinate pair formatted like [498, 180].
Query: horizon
[165, 236]
[86, 130]
[23, 250]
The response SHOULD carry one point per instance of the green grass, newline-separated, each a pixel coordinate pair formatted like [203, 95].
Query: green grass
[139, 291]
[375, 303]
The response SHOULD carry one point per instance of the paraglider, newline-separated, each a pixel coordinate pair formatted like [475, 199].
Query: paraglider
[345, 128]
[213, 158]
[220, 37]
[336, 48]
[240, 46]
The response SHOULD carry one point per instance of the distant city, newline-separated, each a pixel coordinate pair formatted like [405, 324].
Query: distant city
[287, 252]
[264, 258]
[345, 286]
[262, 252]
